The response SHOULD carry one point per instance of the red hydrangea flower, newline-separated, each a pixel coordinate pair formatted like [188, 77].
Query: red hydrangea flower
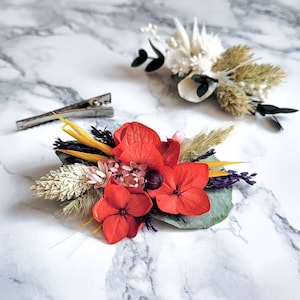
[119, 211]
[142, 145]
[133, 132]
[182, 190]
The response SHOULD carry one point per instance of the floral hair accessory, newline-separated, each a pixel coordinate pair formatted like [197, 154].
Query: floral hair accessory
[201, 67]
[126, 179]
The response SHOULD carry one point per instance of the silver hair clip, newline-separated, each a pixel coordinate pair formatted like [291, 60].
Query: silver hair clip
[95, 107]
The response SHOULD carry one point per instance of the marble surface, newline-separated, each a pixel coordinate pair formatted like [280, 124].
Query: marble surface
[53, 53]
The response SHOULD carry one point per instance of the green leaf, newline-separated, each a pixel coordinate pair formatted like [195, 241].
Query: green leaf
[265, 109]
[158, 53]
[220, 207]
[143, 56]
[202, 89]
[198, 78]
[154, 65]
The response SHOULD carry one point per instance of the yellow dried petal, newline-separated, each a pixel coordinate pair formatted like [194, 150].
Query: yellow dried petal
[215, 164]
[217, 173]
[83, 155]
[83, 136]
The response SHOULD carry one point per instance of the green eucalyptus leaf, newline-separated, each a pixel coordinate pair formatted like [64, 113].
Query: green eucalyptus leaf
[143, 56]
[198, 78]
[265, 109]
[202, 89]
[157, 52]
[220, 207]
[154, 65]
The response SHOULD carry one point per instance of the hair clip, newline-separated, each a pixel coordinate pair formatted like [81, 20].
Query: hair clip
[94, 107]
[202, 69]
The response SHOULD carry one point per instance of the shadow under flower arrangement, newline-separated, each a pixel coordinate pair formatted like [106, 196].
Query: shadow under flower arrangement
[125, 179]
[201, 68]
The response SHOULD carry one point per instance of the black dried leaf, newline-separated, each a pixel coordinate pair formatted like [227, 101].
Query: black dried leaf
[203, 80]
[74, 145]
[157, 52]
[265, 109]
[143, 56]
[104, 136]
[202, 89]
[198, 78]
[276, 122]
[154, 65]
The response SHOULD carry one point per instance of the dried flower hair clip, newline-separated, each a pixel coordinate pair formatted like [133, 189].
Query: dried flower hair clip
[201, 68]
[129, 178]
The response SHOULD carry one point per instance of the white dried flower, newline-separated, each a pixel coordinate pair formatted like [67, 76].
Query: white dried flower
[201, 64]
[259, 91]
[178, 62]
[210, 45]
[65, 183]
[195, 53]
[151, 29]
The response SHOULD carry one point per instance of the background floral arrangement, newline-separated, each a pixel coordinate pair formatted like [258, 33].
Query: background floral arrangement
[201, 67]
[126, 179]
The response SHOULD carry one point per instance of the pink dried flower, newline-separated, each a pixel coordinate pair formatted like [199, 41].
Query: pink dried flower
[98, 176]
[178, 137]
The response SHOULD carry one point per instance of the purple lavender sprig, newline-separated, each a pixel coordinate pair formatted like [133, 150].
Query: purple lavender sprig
[229, 180]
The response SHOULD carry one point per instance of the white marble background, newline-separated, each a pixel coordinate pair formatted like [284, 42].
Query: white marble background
[53, 53]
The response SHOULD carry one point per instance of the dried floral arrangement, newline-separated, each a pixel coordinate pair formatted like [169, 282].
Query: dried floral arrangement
[126, 179]
[201, 67]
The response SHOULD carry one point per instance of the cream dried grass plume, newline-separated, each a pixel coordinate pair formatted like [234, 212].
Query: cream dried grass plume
[65, 183]
[192, 148]
[82, 206]
[233, 99]
[232, 58]
[258, 79]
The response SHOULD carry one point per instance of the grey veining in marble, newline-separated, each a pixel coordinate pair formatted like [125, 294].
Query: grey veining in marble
[54, 53]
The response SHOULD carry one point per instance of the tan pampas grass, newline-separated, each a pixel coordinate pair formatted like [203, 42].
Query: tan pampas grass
[258, 79]
[232, 57]
[82, 206]
[202, 142]
[233, 99]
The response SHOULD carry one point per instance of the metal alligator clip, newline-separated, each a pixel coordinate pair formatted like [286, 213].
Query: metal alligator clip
[95, 107]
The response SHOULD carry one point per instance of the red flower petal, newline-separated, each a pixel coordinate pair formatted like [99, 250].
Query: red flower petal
[116, 195]
[134, 226]
[101, 210]
[182, 190]
[193, 202]
[119, 133]
[143, 153]
[134, 132]
[169, 184]
[167, 203]
[139, 204]
[190, 174]
[170, 152]
[115, 228]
